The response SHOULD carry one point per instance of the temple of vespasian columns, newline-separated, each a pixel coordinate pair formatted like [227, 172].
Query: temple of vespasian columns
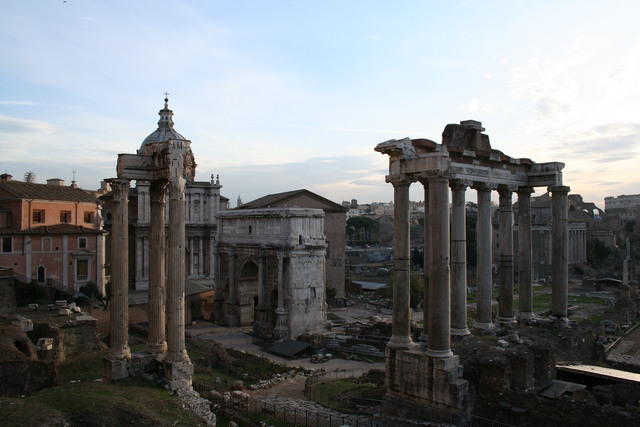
[164, 160]
[425, 381]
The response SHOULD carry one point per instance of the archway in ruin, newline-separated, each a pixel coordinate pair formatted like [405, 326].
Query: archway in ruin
[248, 293]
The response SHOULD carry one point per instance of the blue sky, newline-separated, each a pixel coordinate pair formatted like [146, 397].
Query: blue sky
[282, 95]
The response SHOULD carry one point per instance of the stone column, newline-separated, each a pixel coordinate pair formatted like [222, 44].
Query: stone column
[401, 322]
[559, 252]
[119, 350]
[281, 330]
[156, 341]
[439, 344]
[426, 262]
[176, 272]
[459, 259]
[525, 303]
[484, 279]
[505, 303]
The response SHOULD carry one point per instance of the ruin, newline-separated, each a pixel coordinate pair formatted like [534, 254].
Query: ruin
[271, 271]
[425, 381]
[165, 161]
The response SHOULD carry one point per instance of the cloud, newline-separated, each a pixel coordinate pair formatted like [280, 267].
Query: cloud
[30, 103]
[14, 125]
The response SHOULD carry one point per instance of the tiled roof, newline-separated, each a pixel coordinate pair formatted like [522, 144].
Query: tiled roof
[271, 200]
[26, 190]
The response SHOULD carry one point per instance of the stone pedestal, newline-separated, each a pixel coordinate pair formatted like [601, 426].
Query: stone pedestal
[281, 330]
[115, 369]
[178, 374]
[425, 388]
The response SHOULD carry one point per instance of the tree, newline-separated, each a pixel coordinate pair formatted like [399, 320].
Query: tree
[360, 229]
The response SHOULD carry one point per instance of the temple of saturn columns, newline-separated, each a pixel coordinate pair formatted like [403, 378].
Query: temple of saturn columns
[425, 381]
[165, 161]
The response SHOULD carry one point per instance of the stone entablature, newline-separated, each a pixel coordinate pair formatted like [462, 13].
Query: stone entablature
[271, 270]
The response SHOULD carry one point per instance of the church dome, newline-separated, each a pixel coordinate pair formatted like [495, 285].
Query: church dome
[165, 130]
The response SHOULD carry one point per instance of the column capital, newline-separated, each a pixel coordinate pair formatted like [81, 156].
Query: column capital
[559, 189]
[459, 184]
[119, 188]
[483, 186]
[504, 189]
[400, 180]
[157, 191]
[525, 191]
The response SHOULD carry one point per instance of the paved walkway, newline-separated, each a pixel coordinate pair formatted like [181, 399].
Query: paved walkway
[239, 339]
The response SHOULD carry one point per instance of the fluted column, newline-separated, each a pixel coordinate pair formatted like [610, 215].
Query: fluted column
[559, 251]
[401, 322]
[426, 262]
[459, 259]
[119, 301]
[484, 274]
[176, 272]
[525, 302]
[439, 344]
[157, 246]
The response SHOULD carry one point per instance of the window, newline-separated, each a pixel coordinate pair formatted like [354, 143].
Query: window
[82, 242]
[88, 217]
[46, 244]
[41, 274]
[38, 215]
[6, 244]
[65, 217]
[82, 270]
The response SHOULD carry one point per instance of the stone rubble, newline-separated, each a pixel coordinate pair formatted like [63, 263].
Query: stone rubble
[197, 405]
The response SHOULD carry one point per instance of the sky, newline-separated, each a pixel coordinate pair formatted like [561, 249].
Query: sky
[281, 95]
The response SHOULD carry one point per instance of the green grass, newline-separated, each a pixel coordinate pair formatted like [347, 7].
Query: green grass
[91, 403]
[96, 404]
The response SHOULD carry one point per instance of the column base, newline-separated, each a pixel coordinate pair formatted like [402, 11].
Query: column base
[485, 326]
[401, 343]
[115, 369]
[158, 351]
[460, 331]
[560, 320]
[439, 354]
[506, 321]
[178, 374]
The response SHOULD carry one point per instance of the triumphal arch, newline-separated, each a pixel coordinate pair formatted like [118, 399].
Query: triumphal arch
[425, 381]
[271, 271]
[165, 161]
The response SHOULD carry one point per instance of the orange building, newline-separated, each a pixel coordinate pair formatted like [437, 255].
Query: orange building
[51, 233]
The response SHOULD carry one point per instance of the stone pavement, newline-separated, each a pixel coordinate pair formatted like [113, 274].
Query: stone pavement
[239, 339]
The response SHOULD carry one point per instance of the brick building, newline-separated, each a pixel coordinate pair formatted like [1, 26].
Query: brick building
[51, 233]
